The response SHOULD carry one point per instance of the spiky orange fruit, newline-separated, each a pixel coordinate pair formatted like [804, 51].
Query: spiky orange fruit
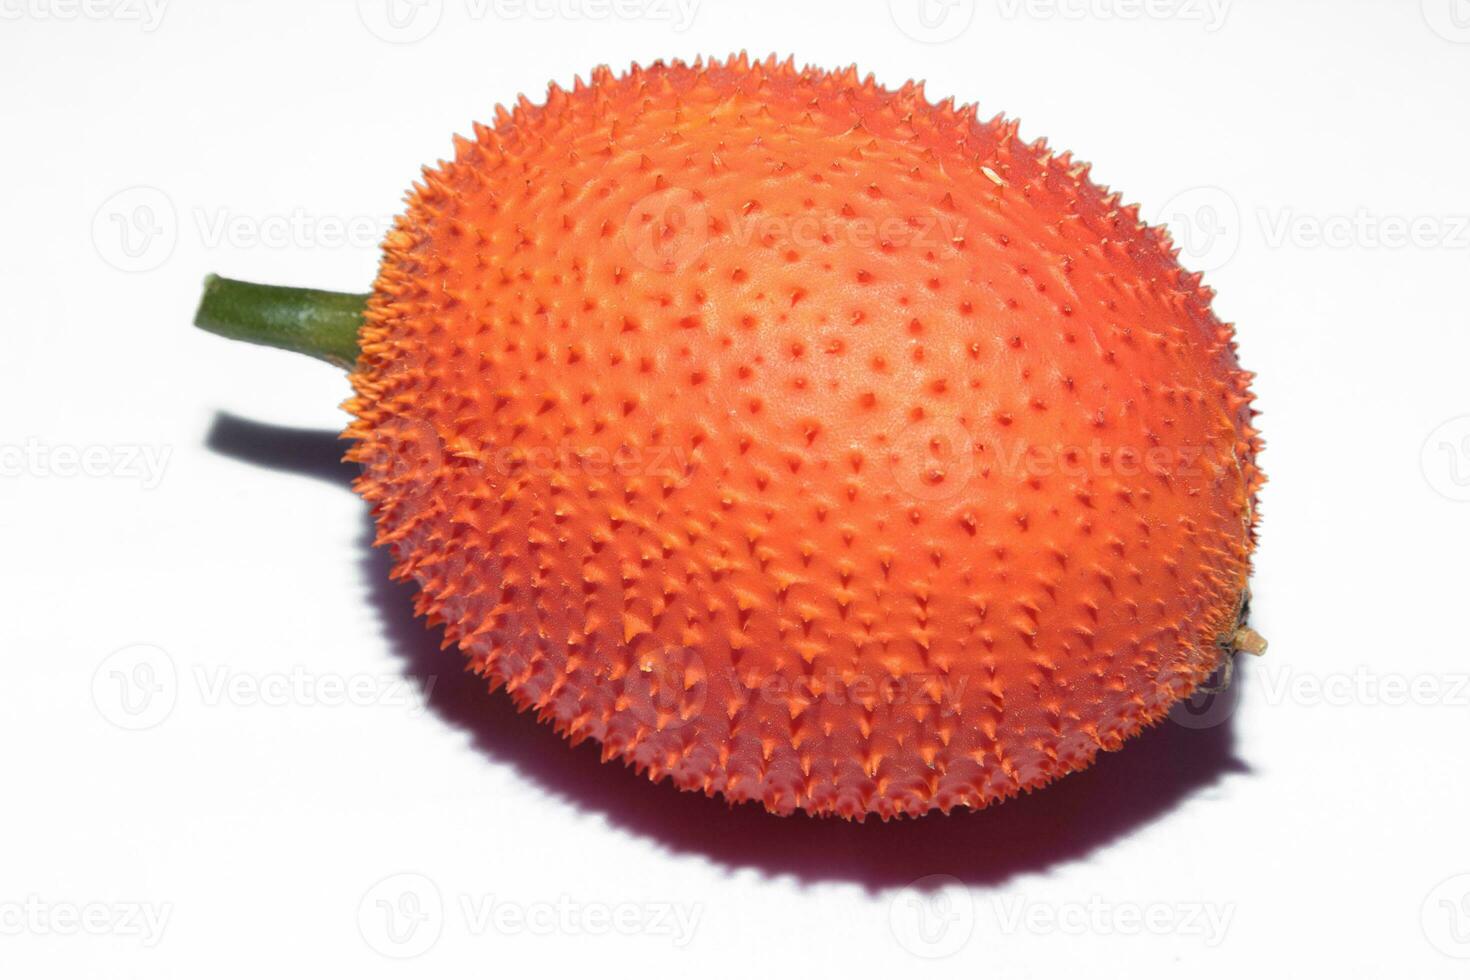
[803, 441]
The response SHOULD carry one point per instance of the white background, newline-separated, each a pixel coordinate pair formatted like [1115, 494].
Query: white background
[269, 828]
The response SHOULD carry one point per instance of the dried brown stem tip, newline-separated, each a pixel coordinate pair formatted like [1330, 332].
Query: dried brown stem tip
[1247, 640]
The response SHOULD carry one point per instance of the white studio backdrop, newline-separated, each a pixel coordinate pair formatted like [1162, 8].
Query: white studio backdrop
[228, 749]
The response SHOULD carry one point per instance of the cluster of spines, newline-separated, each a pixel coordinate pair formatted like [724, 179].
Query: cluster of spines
[1008, 163]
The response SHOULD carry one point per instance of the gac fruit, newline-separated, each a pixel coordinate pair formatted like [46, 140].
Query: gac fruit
[797, 439]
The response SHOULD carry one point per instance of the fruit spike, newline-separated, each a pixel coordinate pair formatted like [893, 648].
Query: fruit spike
[796, 439]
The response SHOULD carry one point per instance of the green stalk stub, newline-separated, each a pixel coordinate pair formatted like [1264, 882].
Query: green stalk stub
[309, 321]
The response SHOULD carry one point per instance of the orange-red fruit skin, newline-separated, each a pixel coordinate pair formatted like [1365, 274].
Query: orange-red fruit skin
[774, 429]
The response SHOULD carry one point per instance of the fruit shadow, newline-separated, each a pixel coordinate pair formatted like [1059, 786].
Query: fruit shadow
[1122, 793]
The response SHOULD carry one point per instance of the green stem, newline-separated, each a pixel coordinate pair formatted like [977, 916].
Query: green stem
[309, 321]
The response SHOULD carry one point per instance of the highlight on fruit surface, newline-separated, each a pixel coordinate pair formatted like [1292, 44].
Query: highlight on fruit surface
[797, 439]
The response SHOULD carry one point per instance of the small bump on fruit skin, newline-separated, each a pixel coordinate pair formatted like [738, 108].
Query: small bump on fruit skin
[803, 441]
